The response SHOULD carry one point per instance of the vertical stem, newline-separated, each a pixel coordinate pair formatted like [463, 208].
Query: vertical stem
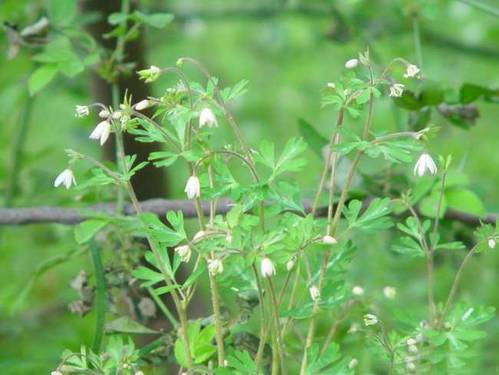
[218, 322]
[277, 328]
[457, 280]
[417, 40]
[100, 297]
[263, 333]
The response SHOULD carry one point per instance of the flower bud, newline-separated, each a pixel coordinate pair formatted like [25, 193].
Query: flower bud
[149, 75]
[199, 235]
[491, 242]
[425, 163]
[267, 268]
[358, 291]
[290, 263]
[389, 292]
[329, 240]
[104, 113]
[412, 71]
[351, 64]
[143, 104]
[353, 363]
[315, 293]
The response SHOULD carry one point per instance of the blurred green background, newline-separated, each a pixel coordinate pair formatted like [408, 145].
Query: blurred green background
[288, 55]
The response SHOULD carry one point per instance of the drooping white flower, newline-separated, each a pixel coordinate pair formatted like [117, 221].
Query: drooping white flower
[396, 90]
[353, 363]
[290, 263]
[184, 252]
[358, 291]
[315, 293]
[65, 178]
[329, 240]
[354, 327]
[389, 292]
[193, 188]
[352, 63]
[82, 111]
[208, 118]
[492, 242]
[267, 267]
[104, 113]
[215, 266]
[412, 349]
[411, 71]
[370, 320]
[143, 104]
[101, 132]
[425, 163]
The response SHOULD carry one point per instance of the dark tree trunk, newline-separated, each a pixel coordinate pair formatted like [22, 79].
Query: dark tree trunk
[149, 182]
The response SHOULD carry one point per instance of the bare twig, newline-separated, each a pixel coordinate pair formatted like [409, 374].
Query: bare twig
[70, 216]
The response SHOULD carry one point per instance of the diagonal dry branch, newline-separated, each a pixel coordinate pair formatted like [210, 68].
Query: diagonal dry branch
[69, 216]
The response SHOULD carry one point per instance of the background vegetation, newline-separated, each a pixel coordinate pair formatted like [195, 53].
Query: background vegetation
[288, 51]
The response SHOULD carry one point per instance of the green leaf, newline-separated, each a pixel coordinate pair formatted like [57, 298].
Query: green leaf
[116, 18]
[373, 219]
[315, 141]
[87, 229]
[465, 200]
[41, 77]
[429, 205]
[126, 325]
[156, 20]
[61, 12]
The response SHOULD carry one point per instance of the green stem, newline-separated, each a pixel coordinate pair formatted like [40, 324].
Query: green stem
[481, 6]
[277, 329]
[100, 296]
[417, 40]
[457, 280]
[163, 308]
[218, 320]
[263, 332]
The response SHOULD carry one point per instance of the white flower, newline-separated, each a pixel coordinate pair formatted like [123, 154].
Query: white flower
[66, 178]
[411, 342]
[207, 117]
[358, 291]
[290, 263]
[329, 240]
[104, 113]
[267, 268]
[101, 131]
[117, 115]
[56, 372]
[425, 162]
[351, 64]
[193, 188]
[389, 292]
[315, 293]
[199, 235]
[139, 373]
[353, 363]
[370, 319]
[184, 252]
[215, 266]
[331, 85]
[411, 71]
[396, 90]
[82, 111]
[492, 242]
[143, 104]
